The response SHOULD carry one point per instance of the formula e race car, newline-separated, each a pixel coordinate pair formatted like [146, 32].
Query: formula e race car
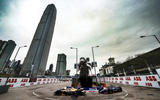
[110, 89]
[70, 91]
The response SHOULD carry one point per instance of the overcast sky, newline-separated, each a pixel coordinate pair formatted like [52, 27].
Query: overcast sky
[114, 25]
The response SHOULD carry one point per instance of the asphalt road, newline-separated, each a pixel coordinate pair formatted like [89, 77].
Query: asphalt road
[46, 92]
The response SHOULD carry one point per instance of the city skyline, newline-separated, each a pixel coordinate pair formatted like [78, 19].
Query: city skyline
[113, 25]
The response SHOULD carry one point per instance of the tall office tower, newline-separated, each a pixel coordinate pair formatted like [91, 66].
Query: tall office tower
[6, 50]
[37, 56]
[61, 64]
[51, 68]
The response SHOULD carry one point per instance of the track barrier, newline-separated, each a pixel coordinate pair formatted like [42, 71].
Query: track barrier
[21, 82]
[144, 80]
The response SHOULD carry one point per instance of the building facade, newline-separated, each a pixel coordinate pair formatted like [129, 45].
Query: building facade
[142, 64]
[61, 65]
[35, 62]
[6, 50]
[107, 69]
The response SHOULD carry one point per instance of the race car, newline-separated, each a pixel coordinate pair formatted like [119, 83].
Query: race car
[109, 90]
[106, 91]
[70, 91]
[115, 89]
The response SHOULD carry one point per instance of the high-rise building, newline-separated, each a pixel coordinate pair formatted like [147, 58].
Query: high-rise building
[37, 56]
[61, 65]
[68, 72]
[51, 68]
[6, 50]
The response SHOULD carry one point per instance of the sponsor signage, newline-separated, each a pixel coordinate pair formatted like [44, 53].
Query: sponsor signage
[21, 82]
[144, 80]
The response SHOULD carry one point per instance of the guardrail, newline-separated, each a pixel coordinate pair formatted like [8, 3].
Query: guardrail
[144, 80]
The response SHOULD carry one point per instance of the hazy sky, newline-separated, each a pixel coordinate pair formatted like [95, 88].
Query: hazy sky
[114, 25]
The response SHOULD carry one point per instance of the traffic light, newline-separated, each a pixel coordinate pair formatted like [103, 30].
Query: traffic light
[75, 66]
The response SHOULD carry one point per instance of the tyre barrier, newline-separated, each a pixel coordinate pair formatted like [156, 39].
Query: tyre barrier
[144, 80]
[21, 82]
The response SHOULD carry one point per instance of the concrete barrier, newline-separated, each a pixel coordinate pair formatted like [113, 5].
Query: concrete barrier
[21, 82]
[144, 80]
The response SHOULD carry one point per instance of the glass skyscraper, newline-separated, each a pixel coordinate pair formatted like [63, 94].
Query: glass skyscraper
[61, 65]
[6, 50]
[35, 62]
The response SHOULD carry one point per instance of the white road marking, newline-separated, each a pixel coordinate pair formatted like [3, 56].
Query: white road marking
[125, 94]
[35, 94]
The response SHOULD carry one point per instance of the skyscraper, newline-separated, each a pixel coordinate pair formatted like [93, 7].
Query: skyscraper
[61, 64]
[6, 50]
[51, 68]
[37, 56]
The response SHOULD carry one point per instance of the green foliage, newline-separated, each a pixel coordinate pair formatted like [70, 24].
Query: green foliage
[5, 75]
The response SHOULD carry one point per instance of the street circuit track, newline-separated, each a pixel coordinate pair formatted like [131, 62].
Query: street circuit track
[46, 92]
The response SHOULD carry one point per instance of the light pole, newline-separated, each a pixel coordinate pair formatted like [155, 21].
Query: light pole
[76, 58]
[143, 36]
[94, 60]
[18, 51]
[13, 61]
[150, 36]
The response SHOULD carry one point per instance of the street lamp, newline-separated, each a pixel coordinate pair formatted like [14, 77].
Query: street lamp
[13, 61]
[18, 51]
[94, 63]
[76, 58]
[143, 36]
[93, 51]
